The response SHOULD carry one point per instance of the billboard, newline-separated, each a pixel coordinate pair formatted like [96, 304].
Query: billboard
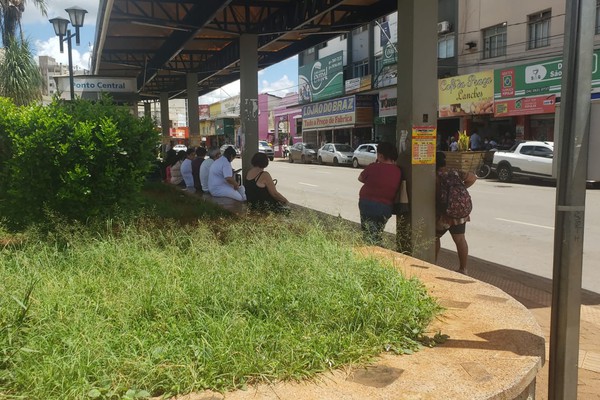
[342, 112]
[470, 94]
[322, 79]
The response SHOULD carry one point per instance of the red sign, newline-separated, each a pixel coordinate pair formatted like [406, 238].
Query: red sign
[525, 106]
[507, 88]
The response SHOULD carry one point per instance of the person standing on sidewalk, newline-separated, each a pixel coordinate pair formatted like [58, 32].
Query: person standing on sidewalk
[381, 181]
[453, 206]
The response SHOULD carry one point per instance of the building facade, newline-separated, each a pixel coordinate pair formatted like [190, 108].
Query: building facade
[522, 45]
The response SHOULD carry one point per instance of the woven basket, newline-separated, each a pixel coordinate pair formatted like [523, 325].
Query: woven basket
[468, 161]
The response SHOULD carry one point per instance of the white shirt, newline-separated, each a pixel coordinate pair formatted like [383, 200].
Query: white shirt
[204, 169]
[219, 170]
[186, 172]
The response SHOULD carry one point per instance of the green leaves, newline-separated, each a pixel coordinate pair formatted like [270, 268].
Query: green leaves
[76, 159]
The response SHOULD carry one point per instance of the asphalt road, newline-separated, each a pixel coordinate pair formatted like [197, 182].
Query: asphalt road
[511, 224]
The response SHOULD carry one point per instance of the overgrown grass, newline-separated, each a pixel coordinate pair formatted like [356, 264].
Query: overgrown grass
[151, 306]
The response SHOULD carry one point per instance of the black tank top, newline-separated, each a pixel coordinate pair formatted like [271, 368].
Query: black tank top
[259, 198]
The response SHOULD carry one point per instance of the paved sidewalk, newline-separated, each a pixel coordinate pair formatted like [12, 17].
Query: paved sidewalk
[536, 294]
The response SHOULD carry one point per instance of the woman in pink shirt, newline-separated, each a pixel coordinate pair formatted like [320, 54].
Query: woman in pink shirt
[381, 181]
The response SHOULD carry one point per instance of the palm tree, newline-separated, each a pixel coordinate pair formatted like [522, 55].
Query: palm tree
[20, 77]
[11, 12]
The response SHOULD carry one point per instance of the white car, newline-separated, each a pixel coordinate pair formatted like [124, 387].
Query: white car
[364, 155]
[180, 147]
[335, 153]
[530, 158]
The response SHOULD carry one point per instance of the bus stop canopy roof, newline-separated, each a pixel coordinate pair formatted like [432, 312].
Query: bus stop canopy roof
[158, 42]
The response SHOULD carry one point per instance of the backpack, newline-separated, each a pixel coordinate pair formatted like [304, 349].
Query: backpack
[455, 200]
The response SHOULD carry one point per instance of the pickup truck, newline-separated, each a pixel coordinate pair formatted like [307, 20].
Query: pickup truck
[530, 158]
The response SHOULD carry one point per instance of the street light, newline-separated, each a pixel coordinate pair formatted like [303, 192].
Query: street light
[76, 16]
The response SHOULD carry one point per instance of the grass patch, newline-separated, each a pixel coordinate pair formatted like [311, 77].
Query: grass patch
[149, 306]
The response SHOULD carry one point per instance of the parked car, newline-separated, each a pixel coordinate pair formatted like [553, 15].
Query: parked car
[304, 152]
[529, 158]
[364, 155]
[335, 153]
[238, 152]
[180, 147]
[263, 147]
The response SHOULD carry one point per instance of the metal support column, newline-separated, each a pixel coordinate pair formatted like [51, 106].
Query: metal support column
[572, 150]
[147, 110]
[192, 109]
[417, 93]
[164, 118]
[248, 98]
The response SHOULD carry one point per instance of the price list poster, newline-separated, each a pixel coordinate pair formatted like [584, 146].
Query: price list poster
[423, 145]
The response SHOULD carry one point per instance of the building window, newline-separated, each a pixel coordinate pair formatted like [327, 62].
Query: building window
[494, 41]
[538, 29]
[597, 17]
[446, 46]
[360, 68]
[360, 29]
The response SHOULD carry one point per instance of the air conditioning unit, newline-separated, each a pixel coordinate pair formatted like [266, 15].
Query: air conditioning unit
[443, 27]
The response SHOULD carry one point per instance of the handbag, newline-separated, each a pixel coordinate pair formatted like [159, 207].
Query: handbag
[401, 205]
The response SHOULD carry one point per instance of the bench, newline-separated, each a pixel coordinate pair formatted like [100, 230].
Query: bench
[234, 206]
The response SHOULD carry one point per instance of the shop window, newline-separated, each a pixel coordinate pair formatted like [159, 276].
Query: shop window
[446, 46]
[538, 30]
[494, 41]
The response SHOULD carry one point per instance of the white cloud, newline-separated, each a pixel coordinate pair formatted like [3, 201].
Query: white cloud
[56, 8]
[280, 87]
[230, 90]
[44, 43]
[51, 47]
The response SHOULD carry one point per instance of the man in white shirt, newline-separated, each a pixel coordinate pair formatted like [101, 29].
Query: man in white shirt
[221, 182]
[186, 170]
[213, 154]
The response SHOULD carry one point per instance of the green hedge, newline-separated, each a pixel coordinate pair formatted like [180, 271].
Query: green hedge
[76, 159]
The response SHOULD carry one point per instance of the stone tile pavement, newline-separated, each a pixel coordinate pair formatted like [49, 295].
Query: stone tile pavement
[535, 293]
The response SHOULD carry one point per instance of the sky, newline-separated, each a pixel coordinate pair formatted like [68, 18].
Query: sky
[278, 79]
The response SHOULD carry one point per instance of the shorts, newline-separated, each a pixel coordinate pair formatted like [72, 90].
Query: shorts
[454, 230]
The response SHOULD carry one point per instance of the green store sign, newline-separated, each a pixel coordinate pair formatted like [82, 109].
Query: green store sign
[322, 79]
[536, 79]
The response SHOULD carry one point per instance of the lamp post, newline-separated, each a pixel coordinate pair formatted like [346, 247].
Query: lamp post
[76, 16]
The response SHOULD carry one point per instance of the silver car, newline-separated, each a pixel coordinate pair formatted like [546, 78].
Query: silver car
[263, 147]
[364, 155]
[335, 153]
[304, 152]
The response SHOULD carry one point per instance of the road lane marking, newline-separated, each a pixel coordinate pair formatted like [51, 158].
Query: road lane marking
[308, 184]
[525, 223]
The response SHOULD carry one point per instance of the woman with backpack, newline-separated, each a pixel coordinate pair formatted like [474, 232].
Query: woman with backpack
[453, 207]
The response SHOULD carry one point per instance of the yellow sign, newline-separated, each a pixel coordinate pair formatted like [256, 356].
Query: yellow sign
[423, 145]
[466, 94]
